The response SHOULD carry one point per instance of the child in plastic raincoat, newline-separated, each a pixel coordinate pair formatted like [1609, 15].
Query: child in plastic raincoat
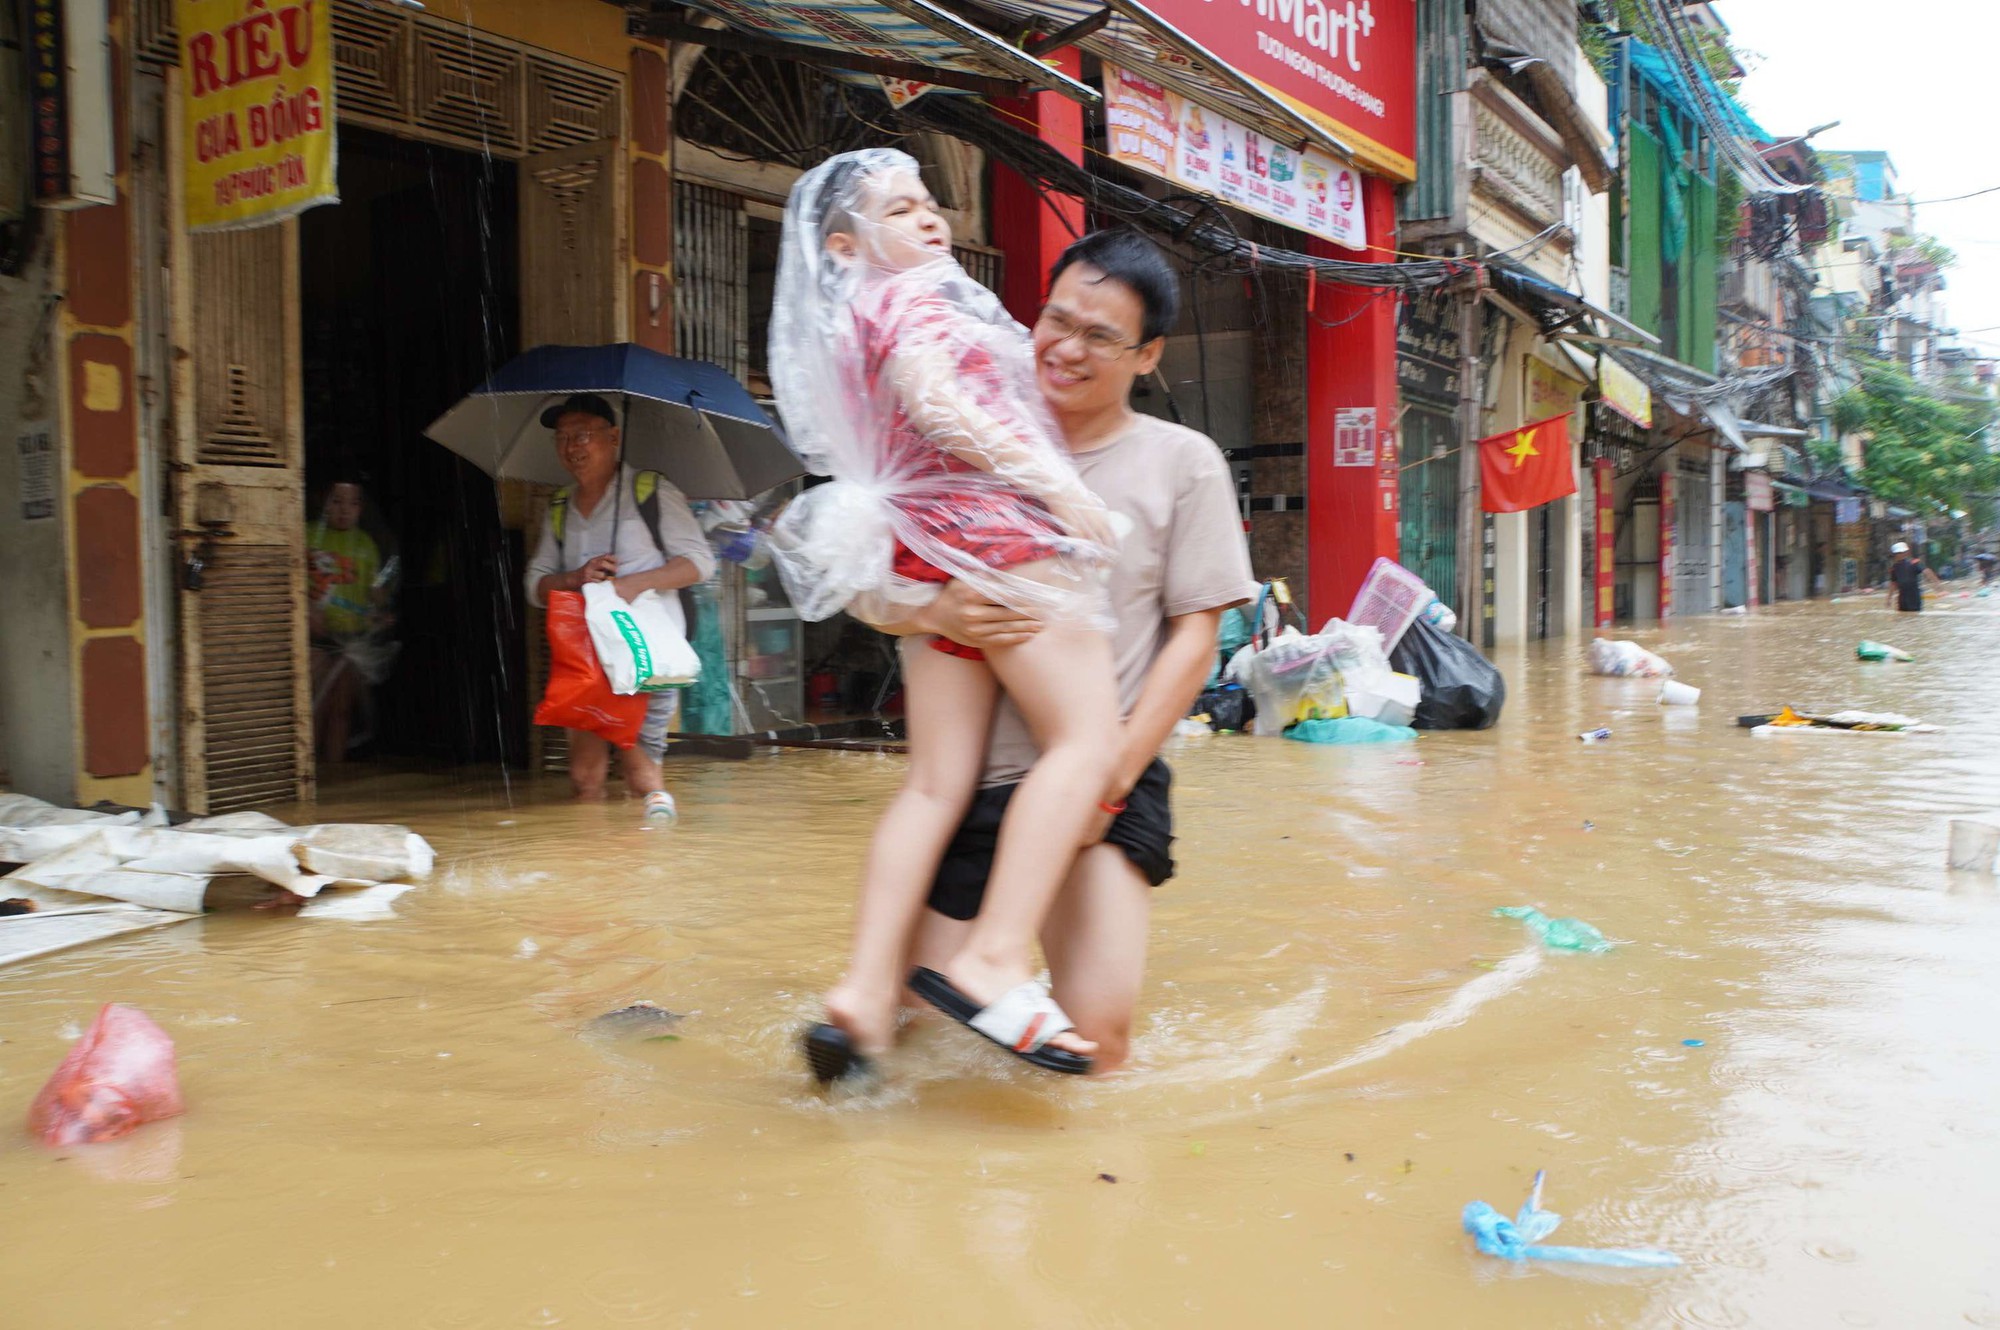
[904, 380]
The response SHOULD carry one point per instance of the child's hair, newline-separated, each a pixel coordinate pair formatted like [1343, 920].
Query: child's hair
[838, 198]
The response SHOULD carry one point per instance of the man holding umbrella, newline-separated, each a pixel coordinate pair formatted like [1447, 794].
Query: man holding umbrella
[634, 530]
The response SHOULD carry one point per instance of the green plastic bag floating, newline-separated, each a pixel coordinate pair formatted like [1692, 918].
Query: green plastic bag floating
[1557, 934]
[1881, 651]
[1349, 730]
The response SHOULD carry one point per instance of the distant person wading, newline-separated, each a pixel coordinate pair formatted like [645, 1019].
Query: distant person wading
[1906, 579]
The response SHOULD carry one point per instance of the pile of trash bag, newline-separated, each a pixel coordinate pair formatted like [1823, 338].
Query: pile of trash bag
[1461, 689]
[1276, 676]
[1339, 672]
[1626, 660]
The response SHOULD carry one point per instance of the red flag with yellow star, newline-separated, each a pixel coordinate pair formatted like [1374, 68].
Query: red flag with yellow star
[1526, 467]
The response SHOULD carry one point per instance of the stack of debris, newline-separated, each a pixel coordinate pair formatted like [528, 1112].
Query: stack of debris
[83, 875]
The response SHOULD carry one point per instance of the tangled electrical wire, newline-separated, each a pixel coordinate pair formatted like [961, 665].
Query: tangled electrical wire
[1668, 376]
[1674, 37]
[1199, 222]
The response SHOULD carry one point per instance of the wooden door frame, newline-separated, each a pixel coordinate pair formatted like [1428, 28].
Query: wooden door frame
[187, 481]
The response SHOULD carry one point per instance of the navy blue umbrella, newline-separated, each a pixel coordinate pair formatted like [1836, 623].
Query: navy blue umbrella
[687, 419]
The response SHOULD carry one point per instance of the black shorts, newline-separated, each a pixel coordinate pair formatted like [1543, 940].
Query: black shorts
[1145, 831]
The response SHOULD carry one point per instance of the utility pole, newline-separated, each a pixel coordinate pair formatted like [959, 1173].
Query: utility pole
[1471, 568]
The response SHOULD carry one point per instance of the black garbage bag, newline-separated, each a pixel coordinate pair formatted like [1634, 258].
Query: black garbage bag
[1462, 690]
[1228, 708]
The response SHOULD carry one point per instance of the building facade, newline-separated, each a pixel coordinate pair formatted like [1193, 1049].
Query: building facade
[524, 172]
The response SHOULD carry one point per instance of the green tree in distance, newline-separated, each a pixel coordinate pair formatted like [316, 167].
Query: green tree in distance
[1926, 450]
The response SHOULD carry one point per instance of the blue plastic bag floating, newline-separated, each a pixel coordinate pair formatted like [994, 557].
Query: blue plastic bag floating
[1519, 1239]
[1557, 934]
[1349, 730]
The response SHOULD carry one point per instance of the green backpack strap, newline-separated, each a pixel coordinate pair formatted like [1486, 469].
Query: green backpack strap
[558, 510]
[646, 497]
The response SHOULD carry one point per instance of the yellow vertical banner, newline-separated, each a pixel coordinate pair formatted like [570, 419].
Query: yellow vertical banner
[257, 97]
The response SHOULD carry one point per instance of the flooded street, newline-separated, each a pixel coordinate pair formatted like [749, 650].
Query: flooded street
[405, 1122]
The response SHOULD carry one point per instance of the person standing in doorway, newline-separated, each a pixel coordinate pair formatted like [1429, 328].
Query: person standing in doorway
[634, 530]
[1906, 579]
[348, 585]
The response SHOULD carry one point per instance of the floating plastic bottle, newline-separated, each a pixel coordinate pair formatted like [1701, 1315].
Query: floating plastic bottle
[1519, 1239]
[1558, 934]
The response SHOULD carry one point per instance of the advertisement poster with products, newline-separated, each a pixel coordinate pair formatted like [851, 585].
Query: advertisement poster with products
[1350, 66]
[1164, 134]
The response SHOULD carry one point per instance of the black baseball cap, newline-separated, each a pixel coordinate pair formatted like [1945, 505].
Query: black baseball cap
[588, 403]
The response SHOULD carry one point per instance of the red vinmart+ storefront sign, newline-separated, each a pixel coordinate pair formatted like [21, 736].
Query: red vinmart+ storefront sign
[1349, 65]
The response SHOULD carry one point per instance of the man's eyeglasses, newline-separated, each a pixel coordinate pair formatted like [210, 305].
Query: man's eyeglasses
[1100, 341]
[565, 438]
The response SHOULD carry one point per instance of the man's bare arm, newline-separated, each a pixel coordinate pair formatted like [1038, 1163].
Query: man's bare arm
[1182, 667]
[957, 612]
[596, 570]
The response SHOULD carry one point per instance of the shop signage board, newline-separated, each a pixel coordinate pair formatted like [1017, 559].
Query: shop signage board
[1550, 391]
[257, 97]
[68, 65]
[1427, 349]
[1667, 541]
[1354, 436]
[1164, 134]
[1349, 66]
[1607, 534]
[1625, 392]
[901, 92]
[48, 80]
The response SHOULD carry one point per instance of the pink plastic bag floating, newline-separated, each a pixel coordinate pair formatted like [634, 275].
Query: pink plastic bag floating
[119, 1075]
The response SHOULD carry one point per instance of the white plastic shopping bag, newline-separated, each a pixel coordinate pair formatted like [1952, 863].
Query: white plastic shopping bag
[638, 643]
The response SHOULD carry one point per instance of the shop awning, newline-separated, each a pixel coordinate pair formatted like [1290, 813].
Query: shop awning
[1825, 491]
[1672, 378]
[922, 41]
[1694, 393]
[912, 40]
[1561, 312]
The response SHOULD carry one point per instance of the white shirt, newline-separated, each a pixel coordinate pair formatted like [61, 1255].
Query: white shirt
[585, 536]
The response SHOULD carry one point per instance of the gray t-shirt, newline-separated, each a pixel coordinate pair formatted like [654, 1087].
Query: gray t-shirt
[1185, 553]
[587, 536]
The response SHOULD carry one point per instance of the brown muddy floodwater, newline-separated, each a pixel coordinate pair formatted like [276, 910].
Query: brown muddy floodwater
[402, 1123]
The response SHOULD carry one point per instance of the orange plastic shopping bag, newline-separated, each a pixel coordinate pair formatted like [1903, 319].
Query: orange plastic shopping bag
[579, 696]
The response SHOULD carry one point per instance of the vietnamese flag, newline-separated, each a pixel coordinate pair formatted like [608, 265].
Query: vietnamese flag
[1526, 467]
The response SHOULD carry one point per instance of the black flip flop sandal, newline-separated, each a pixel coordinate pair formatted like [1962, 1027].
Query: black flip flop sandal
[1022, 1021]
[831, 1054]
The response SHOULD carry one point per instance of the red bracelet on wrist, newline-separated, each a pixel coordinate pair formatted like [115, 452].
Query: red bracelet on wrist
[1113, 809]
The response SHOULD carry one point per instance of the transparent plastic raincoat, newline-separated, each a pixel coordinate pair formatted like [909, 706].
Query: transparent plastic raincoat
[906, 382]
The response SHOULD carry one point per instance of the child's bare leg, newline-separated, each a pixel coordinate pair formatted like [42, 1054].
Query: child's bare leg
[1062, 680]
[948, 713]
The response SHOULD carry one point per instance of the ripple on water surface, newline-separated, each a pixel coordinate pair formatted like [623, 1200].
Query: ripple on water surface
[1339, 1045]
